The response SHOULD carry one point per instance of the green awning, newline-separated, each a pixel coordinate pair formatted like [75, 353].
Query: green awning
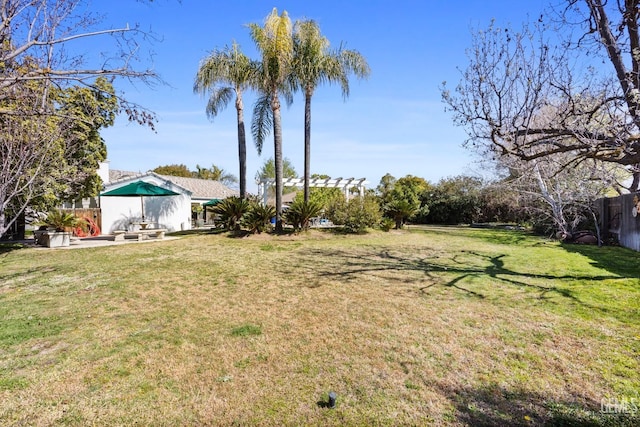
[212, 202]
[140, 188]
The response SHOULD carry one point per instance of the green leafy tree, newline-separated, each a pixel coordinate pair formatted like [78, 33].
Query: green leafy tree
[456, 200]
[384, 188]
[357, 214]
[215, 173]
[410, 188]
[223, 75]
[322, 195]
[28, 178]
[40, 122]
[313, 65]
[54, 156]
[275, 42]
[268, 171]
[174, 170]
[402, 197]
[93, 107]
[501, 202]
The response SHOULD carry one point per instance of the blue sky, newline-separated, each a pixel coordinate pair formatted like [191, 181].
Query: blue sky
[394, 122]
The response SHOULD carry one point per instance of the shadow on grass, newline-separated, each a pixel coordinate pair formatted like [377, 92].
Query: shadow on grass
[8, 277]
[6, 247]
[198, 232]
[457, 272]
[497, 406]
[617, 260]
[489, 234]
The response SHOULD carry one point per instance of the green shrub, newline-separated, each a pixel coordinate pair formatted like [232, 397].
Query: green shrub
[387, 224]
[357, 214]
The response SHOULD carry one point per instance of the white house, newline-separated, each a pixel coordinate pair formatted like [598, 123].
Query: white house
[125, 213]
[171, 212]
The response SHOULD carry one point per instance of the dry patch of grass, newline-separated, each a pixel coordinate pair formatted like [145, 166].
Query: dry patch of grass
[431, 326]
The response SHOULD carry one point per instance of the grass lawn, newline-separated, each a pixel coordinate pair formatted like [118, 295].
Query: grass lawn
[434, 325]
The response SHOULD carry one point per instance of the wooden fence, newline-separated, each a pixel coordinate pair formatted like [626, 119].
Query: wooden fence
[92, 213]
[618, 220]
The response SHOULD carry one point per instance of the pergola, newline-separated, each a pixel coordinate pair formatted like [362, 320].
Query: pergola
[345, 184]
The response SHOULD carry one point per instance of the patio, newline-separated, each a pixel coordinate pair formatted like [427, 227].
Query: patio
[98, 241]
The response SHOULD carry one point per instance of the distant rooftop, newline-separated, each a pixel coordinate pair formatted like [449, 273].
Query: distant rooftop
[204, 189]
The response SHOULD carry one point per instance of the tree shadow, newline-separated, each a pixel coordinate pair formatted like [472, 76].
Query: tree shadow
[504, 235]
[199, 231]
[10, 246]
[456, 272]
[10, 277]
[622, 262]
[497, 406]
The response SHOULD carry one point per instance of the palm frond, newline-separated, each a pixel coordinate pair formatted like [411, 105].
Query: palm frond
[218, 100]
[355, 63]
[227, 67]
[262, 121]
[314, 64]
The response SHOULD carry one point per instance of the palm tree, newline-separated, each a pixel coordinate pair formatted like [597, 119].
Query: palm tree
[399, 210]
[275, 42]
[315, 64]
[224, 74]
[215, 173]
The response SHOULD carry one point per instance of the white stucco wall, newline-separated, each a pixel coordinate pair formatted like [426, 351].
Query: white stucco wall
[103, 171]
[170, 212]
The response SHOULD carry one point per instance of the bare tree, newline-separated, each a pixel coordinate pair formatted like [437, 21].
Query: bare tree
[559, 196]
[590, 78]
[39, 33]
[37, 63]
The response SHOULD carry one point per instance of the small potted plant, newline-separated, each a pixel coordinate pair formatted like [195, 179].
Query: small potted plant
[60, 226]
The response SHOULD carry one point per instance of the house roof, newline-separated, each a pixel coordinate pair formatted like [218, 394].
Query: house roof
[204, 189]
[287, 198]
[117, 175]
[132, 176]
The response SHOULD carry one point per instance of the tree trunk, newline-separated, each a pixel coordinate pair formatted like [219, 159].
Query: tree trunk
[635, 185]
[307, 144]
[398, 222]
[555, 205]
[277, 152]
[3, 221]
[242, 146]
[596, 223]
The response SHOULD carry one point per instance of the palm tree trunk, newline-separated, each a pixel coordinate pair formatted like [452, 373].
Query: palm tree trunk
[307, 144]
[277, 151]
[242, 147]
